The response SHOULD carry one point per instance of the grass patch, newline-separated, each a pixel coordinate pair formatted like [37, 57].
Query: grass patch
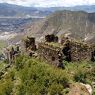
[2, 45]
[54, 44]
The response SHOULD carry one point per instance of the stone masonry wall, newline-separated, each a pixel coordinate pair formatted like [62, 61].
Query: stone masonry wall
[51, 38]
[80, 52]
[29, 43]
[51, 54]
[71, 51]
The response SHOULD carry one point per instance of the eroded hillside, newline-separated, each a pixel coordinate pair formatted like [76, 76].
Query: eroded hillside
[79, 25]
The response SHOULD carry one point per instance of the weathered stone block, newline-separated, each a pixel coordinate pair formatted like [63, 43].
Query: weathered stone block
[51, 54]
[51, 38]
[30, 43]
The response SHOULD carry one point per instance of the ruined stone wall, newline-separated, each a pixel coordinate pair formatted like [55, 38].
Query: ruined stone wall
[80, 52]
[51, 38]
[93, 53]
[29, 44]
[51, 54]
[11, 54]
[69, 52]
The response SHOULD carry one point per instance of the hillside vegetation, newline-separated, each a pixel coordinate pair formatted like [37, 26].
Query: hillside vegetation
[31, 76]
[2, 45]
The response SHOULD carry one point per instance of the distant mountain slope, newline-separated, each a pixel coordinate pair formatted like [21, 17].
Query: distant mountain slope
[77, 24]
[86, 8]
[15, 10]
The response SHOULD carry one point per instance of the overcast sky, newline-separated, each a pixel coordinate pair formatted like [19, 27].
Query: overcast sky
[49, 3]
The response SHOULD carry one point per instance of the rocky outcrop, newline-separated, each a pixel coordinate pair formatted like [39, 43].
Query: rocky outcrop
[78, 89]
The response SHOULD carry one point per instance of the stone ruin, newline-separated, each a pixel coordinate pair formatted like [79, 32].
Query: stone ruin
[51, 38]
[30, 46]
[29, 43]
[68, 50]
[50, 53]
[53, 52]
[93, 54]
[11, 54]
[77, 51]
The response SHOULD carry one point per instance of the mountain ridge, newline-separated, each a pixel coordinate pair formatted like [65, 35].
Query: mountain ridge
[17, 10]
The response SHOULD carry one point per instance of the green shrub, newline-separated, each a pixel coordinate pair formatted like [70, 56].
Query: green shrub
[6, 86]
[80, 77]
[38, 77]
[19, 62]
[55, 89]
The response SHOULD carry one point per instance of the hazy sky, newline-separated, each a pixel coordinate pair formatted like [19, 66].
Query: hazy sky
[48, 3]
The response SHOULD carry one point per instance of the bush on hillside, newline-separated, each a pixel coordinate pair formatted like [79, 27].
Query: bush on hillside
[39, 78]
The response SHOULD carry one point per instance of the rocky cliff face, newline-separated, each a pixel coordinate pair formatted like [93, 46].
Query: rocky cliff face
[76, 24]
